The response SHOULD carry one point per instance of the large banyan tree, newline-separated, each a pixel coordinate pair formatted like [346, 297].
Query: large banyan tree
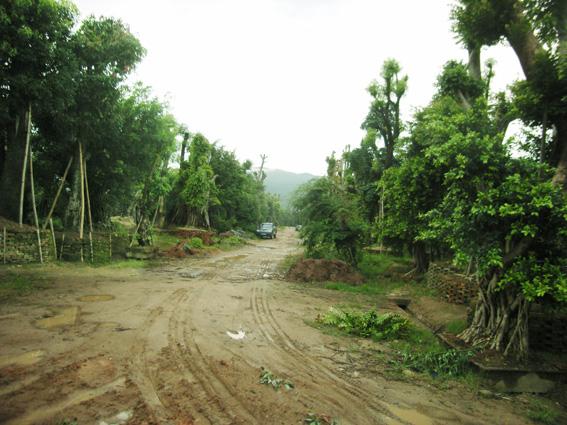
[515, 227]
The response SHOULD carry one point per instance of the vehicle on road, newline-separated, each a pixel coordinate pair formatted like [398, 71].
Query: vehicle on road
[267, 230]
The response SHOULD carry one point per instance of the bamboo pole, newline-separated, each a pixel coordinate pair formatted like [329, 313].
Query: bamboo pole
[24, 167]
[4, 242]
[58, 193]
[53, 237]
[136, 232]
[62, 243]
[36, 220]
[89, 209]
[82, 209]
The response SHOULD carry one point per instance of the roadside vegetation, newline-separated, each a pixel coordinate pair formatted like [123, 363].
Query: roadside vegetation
[446, 185]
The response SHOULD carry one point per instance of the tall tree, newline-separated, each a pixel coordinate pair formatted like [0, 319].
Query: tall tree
[384, 115]
[34, 37]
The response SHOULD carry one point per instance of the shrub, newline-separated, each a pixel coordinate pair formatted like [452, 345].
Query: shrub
[368, 324]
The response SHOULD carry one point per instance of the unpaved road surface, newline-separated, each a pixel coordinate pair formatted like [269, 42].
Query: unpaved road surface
[150, 346]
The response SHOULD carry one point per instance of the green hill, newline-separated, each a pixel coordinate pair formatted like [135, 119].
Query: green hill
[284, 183]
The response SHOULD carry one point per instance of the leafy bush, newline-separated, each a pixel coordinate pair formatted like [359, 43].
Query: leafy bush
[197, 242]
[232, 241]
[368, 324]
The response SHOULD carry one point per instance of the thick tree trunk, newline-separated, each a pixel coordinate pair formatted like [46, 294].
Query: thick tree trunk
[74, 205]
[420, 257]
[10, 179]
[560, 177]
[474, 63]
[500, 321]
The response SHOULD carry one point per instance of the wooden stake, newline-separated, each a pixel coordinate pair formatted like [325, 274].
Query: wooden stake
[58, 193]
[24, 166]
[110, 244]
[53, 237]
[82, 209]
[4, 241]
[89, 210]
[36, 220]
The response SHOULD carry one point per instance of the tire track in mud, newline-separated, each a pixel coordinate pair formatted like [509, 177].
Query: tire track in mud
[218, 403]
[141, 373]
[272, 331]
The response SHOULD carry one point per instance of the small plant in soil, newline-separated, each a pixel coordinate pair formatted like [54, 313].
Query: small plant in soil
[268, 378]
[367, 324]
[318, 419]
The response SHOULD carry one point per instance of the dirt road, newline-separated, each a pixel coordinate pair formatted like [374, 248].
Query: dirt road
[115, 346]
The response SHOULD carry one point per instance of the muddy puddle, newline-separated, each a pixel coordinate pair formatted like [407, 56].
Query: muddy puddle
[25, 359]
[95, 298]
[67, 316]
[78, 397]
[410, 416]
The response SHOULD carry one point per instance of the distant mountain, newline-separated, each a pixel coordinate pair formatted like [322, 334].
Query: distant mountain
[284, 183]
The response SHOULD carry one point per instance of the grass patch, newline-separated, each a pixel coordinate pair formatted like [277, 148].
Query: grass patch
[374, 265]
[371, 288]
[164, 241]
[231, 242]
[456, 326]
[542, 411]
[13, 285]
[288, 262]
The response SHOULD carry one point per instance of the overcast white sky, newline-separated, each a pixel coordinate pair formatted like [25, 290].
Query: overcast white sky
[288, 78]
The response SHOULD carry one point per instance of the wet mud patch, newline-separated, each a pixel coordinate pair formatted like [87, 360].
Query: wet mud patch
[26, 359]
[95, 298]
[66, 316]
[410, 416]
[97, 371]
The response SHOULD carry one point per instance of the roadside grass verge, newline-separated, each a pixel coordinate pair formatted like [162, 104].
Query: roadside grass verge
[288, 262]
[14, 285]
[455, 327]
[373, 266]
[412, 349]
[543, 411]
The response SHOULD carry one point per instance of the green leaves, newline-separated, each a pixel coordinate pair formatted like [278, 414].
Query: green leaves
[368, 324]
[332, 223]
[268, 378]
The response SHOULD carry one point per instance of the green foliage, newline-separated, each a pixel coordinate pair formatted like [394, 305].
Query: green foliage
[373, 266]
[196, 243]
[384, 115]
[268, 378]
[447, 363]
[331, 220]
[368, 324]
[455, 327]
[15, 285]
[543, 412]
[318, 419]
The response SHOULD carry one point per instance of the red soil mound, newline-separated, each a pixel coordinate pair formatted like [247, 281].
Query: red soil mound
[314, 270]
